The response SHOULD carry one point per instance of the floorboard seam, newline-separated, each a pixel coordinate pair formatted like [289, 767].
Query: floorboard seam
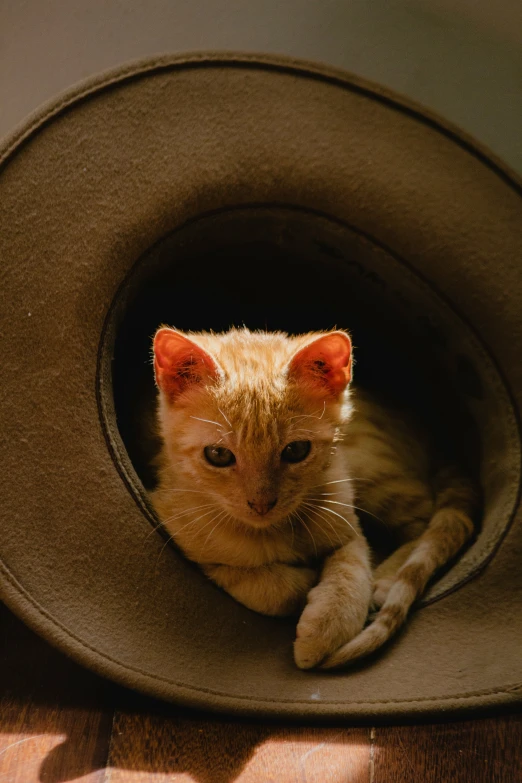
[107, 773]
[371, 761]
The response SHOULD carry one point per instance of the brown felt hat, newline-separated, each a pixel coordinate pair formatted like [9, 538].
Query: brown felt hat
[225, 188]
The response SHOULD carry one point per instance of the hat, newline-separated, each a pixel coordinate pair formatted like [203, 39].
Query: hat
[209, 189]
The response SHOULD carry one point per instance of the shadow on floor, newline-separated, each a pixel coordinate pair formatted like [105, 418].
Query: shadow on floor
[72, 723]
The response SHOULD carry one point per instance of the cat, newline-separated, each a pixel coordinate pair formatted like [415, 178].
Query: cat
[268, 453]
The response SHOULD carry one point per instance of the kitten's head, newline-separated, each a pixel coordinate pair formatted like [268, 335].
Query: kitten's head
[251, 417]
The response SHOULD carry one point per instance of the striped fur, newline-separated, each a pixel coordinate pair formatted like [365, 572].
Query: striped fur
[449, 529]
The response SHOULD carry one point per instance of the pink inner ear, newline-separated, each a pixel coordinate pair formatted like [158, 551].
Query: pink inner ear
[325, 366]
[179, 363]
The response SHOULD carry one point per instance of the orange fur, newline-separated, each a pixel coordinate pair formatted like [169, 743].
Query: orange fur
[283, 537]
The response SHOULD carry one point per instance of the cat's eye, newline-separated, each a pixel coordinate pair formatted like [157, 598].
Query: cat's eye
[218, 456]
[296, 451]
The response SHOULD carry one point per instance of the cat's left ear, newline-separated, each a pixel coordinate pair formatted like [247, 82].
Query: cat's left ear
[324, 366]
[180, 364]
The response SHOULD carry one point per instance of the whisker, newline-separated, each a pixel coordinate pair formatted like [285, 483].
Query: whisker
[169, 539]
[206, 525]
[293, 530]
[170, 519]
[172, 491]
[332, 543]
[200, 530]
[299, 517]
[208, 421]
[227, 421]
[228, 519]
[154, 529]
[350, 505]
[341, 481]
[325, 519]
[220, 519]
[187, 511]
[193, 521]
[324, 508]
[337, 502]
[308, 415]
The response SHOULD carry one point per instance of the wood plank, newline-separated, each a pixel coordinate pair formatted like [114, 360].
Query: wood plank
[148, 748]
[45, 743]
[479, 751]
[55, 717]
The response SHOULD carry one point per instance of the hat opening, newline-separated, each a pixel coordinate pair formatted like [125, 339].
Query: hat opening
[284, 268]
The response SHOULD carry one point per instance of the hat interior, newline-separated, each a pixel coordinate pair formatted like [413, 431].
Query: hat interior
[280, 267]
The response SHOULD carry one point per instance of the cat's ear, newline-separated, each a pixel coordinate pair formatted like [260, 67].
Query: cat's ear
[324, 366]
[179, 363]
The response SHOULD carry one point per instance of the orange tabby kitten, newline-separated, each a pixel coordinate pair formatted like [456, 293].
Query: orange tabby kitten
[267, 454]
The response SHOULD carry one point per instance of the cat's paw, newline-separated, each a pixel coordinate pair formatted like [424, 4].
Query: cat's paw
[277, 590]
[323, 627]
[381, 589]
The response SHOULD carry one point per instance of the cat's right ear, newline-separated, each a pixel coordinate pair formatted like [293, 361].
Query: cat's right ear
[324, 367]
[179, 363]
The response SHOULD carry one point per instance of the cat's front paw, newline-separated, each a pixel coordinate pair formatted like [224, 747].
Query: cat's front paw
[324, 626]
[381, 589]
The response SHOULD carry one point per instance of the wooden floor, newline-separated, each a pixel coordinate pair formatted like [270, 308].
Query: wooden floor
[61, 723]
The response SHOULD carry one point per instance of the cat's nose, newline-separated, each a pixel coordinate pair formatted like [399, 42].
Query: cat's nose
[262, 508]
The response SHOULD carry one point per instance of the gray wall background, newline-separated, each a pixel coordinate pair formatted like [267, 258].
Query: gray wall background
[462, 58]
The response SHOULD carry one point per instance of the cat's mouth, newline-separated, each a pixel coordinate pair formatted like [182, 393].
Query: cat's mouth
[252, 520]
[275, 518]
